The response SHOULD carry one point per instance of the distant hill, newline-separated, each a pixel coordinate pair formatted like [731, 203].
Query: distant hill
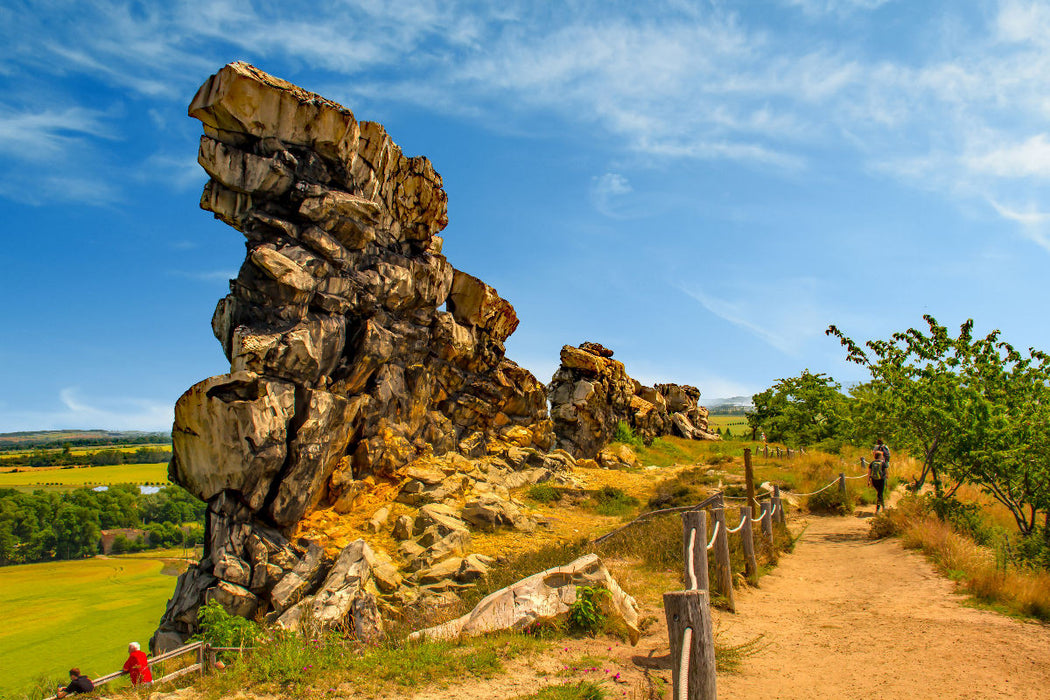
[733, 404]
[59, 438]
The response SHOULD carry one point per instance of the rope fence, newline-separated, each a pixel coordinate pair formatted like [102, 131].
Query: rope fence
[688, 612]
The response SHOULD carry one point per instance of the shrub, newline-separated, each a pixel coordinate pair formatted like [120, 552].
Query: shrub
[582, 690]
[883, 525]
[626, 435]
[587, 612]
[610, 500]
[830, 502]
[544, 493]
[221, 629]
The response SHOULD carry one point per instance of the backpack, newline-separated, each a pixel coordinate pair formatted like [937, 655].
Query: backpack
[885, 452]
[878, 469]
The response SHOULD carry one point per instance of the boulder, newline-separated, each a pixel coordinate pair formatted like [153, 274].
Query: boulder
[542, 597]
[231, 433]
[489, 512]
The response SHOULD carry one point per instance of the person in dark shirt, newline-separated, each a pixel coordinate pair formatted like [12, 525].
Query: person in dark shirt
[877, 478]
[77, 684]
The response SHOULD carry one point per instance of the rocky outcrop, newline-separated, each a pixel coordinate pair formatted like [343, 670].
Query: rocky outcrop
[540, 598]
[355, 349]
[591, 393]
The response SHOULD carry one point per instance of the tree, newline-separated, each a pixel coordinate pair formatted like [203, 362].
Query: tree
[976, 410]
[801, 410]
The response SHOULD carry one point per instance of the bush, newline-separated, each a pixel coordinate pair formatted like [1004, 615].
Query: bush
[964, 517]
[587, 612]
[544, 493]
[830, 502]
[610, 500]
[626, 435]
[221, 629]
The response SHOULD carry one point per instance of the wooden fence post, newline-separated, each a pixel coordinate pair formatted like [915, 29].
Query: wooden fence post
[694, 549]
[781, 516]
[767, 526]
[766, 448]
[723, 566]
[747, 538]
[842, 485]
[749, 479]
[688, 616]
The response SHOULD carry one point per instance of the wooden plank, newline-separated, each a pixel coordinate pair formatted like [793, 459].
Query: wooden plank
[195, 668]
[692, 653]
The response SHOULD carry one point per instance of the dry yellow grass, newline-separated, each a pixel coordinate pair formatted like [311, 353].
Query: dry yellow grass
[1019, 591]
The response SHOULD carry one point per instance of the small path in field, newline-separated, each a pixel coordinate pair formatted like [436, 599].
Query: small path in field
[847, 617]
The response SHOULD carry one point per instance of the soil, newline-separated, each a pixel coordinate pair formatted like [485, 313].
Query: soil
[847, 617]
[840, 617]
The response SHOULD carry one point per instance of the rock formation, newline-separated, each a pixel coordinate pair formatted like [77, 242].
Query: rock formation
[541, 598]
[343, 364]
[591, 393]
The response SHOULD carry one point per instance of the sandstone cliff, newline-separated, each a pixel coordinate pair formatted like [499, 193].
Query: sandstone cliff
[368, 380]
[591, 393]
[356, 349]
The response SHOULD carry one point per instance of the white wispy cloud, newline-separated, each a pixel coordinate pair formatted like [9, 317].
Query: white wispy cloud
[836, 7]
[205, 275]
[73, 410]
[32, 133]
[606, 192]
[1034, 224]
[675, 81]
[784, 313]
[1030, 158]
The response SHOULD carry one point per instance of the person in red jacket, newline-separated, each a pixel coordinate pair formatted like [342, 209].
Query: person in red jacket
[137, 666]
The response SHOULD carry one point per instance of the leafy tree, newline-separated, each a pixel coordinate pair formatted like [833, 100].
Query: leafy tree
[801, 410]
[975, 409]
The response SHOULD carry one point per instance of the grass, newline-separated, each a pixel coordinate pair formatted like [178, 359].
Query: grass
[581, 690]
[76, 613]
[1006, 588]
[290, 666]
[88, 476]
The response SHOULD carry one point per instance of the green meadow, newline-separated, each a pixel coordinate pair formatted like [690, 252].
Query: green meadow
[89, 476]
[76, 613]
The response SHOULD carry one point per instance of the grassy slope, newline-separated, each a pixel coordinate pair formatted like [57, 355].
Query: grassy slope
[76, 613]
[89, 476]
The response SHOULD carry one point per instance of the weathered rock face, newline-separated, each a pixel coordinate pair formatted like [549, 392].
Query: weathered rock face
[539, 598]
[591, 393]
[343, 364]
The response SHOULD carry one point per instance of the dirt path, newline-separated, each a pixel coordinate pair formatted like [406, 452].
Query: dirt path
[846, 617]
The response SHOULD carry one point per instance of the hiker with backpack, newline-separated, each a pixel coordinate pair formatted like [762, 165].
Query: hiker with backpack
[877, 473]
[881, 447]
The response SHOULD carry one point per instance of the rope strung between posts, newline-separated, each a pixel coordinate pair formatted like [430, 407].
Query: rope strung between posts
[714, 536]
[689, 564]
[683, 668]
[817, 491]
[737, 528]
[862, 476]
[645, 516]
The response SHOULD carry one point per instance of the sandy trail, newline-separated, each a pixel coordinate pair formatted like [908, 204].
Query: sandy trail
[846, 617]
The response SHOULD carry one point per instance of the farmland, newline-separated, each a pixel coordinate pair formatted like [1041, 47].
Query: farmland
[87, 476]
[77, 613]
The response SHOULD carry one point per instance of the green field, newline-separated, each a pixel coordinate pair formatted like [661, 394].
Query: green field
[89, 476]
[76, 613]
[88, 449]
[735, 421]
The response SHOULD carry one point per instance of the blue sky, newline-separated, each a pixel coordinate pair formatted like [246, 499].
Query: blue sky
[702, 187]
